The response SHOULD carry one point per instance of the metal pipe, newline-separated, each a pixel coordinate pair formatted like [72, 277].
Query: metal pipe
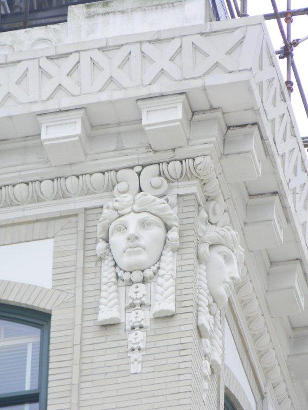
[244, 7]
[295, 12]
[300, 40]
[279, 22]
[230, 8]
[299, 85]
[237, 9]
[288, 19]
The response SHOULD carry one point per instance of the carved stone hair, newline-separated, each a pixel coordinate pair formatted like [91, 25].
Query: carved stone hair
[142, 202]
[164, 305]
[209, 234]
[209, 316]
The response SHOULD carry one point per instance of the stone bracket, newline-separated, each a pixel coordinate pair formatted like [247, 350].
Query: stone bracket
[166, 120]
[243, 154]
[265, 222]
[286, 288]
[64, 136]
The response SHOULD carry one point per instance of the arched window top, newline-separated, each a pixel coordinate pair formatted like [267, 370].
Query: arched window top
[229, 403]
[24, 338]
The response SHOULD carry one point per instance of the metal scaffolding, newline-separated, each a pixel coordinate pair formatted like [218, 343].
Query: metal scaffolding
[236, 9]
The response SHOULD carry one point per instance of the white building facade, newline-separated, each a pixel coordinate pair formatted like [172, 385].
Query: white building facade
[153, 212]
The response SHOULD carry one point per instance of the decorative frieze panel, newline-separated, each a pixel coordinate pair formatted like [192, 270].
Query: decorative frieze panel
[19, 82]
[290, 151]
[202, 53]
[126, 66]
[57, 188]
[80, 185]
[158, 58]
[99, 68]
[58, 74]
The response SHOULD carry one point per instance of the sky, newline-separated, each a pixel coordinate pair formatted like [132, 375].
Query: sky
[299, 30]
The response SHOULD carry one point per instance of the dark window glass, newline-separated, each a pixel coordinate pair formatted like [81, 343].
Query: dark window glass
[19, 357]
[32, 406]
[228, 403]
[24, 337]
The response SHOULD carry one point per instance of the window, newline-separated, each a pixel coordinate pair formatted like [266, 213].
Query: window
[33, 265]
[24, 340]
[229, 404]
[17, 14]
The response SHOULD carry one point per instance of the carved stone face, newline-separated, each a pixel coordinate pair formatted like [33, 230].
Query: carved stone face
[222, 272]
[137, 240]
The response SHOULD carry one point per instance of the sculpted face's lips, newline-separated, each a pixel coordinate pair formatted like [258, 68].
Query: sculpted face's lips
[133, 248]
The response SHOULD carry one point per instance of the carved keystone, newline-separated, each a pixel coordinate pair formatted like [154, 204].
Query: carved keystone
[265, 222]
[243, 153]
[286, 287]
[64, 135]
[166, 120]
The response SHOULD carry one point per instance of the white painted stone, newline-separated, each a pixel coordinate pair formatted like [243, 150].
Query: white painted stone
[298, 357]
[265, 222]
[107, 56]
[137, 240]
[242, 154]
[232, 91]
[286, 288]
[297, 364]
[137, 243]
[209, 126]
[220, 258]
[222, 273]
[166, 120]
[112, 19]
[64, 135]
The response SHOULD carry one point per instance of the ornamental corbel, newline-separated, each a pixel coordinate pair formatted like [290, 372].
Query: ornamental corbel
[137, 243]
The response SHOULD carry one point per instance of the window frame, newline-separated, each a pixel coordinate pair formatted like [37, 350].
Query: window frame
[39, 320]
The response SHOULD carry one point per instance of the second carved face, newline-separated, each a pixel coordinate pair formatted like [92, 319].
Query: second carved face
[137, 240]
[222, 273]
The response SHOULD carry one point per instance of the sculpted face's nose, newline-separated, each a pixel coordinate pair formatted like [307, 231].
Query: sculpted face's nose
[132, 236]
[235, 276]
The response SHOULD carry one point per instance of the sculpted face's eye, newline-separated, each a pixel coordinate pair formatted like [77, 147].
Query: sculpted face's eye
[119, 228]
[227, 257]
[147, 223]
